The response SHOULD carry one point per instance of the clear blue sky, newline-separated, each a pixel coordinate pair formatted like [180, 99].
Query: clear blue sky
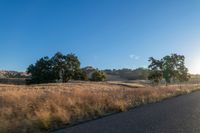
[103, 33]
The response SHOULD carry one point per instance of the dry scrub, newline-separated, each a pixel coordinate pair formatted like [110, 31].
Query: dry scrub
[28, 109]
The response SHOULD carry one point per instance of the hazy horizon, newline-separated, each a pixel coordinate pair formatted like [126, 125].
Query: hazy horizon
[104, 34]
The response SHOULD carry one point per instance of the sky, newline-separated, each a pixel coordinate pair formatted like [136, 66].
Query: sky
[106, 34]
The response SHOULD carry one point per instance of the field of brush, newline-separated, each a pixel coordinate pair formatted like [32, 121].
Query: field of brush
[38, 108]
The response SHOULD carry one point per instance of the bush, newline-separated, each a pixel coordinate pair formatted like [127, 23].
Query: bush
[80, 75]
[155, 76]
[98, 76]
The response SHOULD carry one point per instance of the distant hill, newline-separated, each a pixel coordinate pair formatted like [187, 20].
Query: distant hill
[128, 74]
[12, 74]
[121, 74]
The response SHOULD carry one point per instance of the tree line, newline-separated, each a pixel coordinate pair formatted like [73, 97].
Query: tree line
[60, 68]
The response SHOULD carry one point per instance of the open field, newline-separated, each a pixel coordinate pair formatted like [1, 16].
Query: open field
[36, 108]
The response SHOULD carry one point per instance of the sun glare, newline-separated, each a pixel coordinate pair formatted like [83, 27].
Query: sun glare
[194, 66]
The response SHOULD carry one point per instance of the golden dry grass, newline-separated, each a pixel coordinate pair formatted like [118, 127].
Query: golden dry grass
[28, 109]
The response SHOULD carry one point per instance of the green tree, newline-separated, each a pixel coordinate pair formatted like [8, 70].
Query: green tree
[98, 76]
[172, 68]
[59, 67]
[156, 73]
[155, 64]
[65, 66]
[41, 71]
[72, 65]
[59, 64]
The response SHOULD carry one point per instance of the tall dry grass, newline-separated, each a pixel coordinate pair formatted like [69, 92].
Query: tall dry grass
[28, 109]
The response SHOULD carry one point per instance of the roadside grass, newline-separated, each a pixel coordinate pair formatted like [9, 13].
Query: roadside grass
[38, 108]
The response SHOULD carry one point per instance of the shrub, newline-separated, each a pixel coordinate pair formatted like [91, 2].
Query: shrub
[98, 76]
[80, 75]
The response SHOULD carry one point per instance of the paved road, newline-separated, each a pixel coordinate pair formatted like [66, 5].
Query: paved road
[176, 115]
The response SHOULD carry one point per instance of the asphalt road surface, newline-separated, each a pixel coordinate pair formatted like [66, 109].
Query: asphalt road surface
[176, 115]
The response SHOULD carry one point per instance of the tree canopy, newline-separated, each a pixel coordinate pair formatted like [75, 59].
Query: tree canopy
[171, 67]
[41, 71]
[58, 68]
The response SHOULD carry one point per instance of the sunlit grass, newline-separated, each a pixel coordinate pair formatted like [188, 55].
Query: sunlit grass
[25, 109]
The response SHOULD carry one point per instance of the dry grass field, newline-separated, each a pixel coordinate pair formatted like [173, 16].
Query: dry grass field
[37, 108]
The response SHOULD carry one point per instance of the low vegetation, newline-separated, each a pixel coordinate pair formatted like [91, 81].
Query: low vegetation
[98, 76]
[38, 108]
